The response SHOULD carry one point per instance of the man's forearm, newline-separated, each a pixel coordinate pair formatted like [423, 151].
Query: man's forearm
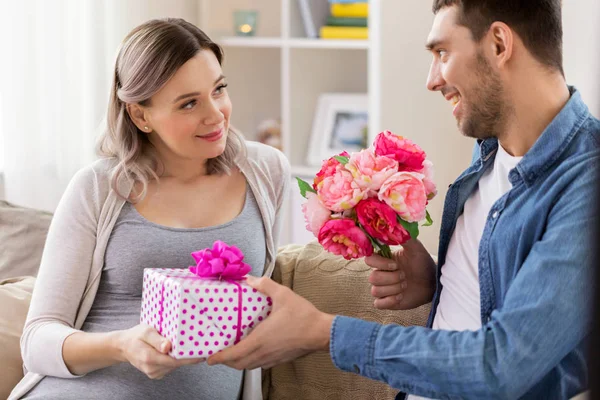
[413, 359]
[323, 332]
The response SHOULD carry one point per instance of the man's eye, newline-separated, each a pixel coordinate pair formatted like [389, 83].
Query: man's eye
[220, 88]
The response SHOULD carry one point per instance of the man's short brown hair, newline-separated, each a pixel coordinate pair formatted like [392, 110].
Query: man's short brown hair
[537, 22]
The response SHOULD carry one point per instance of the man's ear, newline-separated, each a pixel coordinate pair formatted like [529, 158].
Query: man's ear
[138, 115]
[502, 41]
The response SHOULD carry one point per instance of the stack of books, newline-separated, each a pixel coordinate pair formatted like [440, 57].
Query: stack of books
[347, 20]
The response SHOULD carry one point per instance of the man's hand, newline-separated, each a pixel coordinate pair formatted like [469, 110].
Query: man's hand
[294, 328]
[406, 282]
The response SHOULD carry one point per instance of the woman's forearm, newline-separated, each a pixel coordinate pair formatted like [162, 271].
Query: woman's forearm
[85, 352]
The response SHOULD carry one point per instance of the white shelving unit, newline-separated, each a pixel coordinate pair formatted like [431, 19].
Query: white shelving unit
[295, 43]
[279, 73]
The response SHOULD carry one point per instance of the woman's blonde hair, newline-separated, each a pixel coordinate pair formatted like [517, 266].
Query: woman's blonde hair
[149, 56]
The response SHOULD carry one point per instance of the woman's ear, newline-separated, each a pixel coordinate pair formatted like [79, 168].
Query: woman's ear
[502, 40]
[137, 113]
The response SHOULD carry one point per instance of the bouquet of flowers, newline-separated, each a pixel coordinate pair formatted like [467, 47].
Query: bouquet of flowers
[364, 202]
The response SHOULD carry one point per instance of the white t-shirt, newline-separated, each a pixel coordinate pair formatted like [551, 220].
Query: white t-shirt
[459, 306]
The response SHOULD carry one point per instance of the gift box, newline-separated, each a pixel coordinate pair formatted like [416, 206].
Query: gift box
[206, 308]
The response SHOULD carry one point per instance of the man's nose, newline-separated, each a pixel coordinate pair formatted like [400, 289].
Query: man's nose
[435, 81]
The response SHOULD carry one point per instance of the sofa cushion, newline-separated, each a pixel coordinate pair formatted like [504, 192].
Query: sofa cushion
[22, 235]
[15, 295]
[337, 286]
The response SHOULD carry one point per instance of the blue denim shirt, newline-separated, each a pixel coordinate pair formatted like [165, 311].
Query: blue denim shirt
[535, 272]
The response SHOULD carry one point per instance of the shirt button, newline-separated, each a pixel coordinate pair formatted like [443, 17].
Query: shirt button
[495, 215]
[356, 369]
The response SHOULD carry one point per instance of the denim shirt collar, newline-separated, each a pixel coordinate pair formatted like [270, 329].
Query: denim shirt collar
[549, 146]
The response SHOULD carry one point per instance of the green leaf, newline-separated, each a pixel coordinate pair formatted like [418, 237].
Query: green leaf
[428, 219]
[343, 160]
[304, 187]
[411, 227]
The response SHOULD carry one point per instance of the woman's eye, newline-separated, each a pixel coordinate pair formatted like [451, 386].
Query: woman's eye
[220, 88]
[189, 105]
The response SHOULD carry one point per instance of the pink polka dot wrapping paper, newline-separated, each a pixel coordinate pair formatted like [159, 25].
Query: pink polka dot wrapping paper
[199, 316]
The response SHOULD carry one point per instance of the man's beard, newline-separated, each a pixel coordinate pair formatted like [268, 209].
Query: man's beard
[487, 112]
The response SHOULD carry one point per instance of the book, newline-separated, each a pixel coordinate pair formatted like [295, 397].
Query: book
[337, 21]
[344, 32]
[307, 19]
[350, 10]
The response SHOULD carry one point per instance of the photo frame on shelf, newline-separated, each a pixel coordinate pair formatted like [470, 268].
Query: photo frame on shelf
[341, 123]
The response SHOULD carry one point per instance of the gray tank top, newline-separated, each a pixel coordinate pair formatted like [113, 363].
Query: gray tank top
[136, 243]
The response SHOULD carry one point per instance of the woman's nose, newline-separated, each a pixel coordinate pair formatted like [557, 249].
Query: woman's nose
[214, 115]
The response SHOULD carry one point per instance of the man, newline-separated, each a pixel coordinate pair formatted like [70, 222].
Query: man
[510, 314]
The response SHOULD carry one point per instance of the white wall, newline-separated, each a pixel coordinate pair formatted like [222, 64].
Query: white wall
[581, 20]
[409, 109]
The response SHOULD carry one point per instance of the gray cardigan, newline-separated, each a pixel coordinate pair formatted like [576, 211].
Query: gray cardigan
[73, 258]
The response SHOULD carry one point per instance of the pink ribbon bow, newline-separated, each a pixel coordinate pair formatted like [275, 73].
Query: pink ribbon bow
[221, 262]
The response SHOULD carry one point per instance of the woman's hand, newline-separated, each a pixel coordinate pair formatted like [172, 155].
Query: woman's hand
[144, 348]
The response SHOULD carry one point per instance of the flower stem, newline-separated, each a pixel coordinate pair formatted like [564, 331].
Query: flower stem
[384, 251]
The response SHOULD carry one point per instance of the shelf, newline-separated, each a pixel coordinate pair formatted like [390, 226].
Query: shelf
[296, 43]
[304, 171]
[328, 44]
[280, 74]
[233, 41]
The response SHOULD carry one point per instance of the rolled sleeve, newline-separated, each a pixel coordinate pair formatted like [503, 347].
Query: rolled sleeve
[50, 340]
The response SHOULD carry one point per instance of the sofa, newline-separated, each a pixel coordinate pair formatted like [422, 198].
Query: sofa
[332, 284]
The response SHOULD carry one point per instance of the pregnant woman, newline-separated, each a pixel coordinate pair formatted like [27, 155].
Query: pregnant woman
[173, 177]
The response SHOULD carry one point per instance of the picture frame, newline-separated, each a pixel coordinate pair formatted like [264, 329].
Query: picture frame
[341, 123]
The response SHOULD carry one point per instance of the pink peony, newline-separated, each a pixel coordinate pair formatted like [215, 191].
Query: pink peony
[344, 238]
[222, 261]
[380, 221]
[328, 168]
[339, 192]
[406, 194]
[315, 213]
[370, 171]
[408, 154]
[427, 172]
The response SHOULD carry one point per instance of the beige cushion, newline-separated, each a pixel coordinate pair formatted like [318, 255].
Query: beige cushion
[22, 235]
[335, 286]
[15, 295]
